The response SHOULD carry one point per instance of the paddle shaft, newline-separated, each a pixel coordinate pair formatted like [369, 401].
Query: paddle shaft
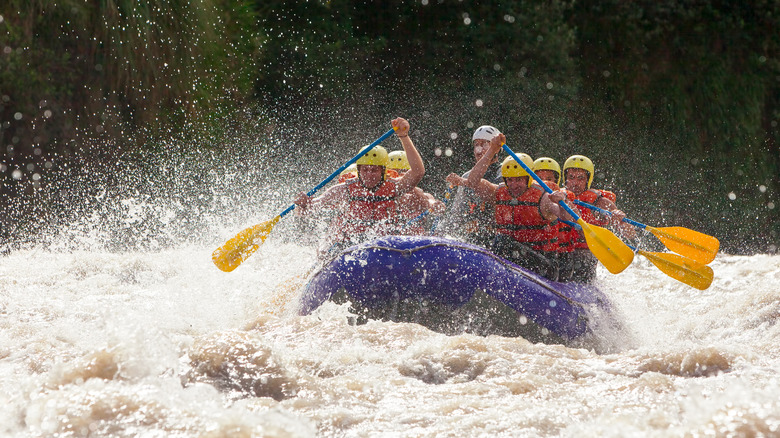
[341, 169]
[607, 212]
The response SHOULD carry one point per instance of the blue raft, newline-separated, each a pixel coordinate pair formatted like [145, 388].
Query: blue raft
[454, 287]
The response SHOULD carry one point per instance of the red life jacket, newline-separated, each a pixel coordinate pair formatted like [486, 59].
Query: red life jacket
[591, 196]
[567, 235]
[369, 210]
[522, 218]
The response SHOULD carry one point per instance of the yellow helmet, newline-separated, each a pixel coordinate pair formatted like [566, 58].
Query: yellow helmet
[375, 157]
[579, 162]
[397, 160]
[510, 168]
[546, 163]
[352, 169]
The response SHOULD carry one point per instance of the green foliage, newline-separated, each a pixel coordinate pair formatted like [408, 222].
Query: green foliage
[109, 66]
[677, 101]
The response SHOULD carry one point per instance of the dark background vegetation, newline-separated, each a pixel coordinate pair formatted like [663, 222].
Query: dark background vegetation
[676, 101]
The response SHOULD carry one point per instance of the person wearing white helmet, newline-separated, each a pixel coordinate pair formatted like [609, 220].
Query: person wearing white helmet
[367, 206]
[469, 218]
[523, 213]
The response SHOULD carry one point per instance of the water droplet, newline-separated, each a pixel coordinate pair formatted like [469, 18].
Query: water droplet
[18, 116]
[478, 102]
[762, 188]
[16, 174]
[770, 205]
[453, 135]
[732, 196]
[467, 21]
[448, 152]
[437, 152]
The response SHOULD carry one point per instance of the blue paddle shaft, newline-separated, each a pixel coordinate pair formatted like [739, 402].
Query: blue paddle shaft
[341, 169]
[539, 180]
[601, 210]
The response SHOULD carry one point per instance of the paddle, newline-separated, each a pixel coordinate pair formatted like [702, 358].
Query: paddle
[605, 245]
[680, 268]
[689, 243]
[230, 255]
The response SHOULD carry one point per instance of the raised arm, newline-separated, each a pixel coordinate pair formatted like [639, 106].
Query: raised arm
[482, 187]
[416, 166]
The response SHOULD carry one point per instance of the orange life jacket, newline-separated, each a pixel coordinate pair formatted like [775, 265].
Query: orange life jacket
[521, 217]
[590, 196]
[368, 210]
[567, 235]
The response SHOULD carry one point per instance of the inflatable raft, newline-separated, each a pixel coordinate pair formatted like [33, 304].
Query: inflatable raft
[454, 287]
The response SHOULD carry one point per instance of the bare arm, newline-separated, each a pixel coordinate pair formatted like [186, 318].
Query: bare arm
[333, 197]
[416, 166]
[484, 188]
[617, 217]
[550, 208]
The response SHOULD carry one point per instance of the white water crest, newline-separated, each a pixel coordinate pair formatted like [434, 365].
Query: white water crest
[115, 323]
[161, 343]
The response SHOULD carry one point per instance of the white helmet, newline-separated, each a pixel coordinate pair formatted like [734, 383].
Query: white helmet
[485, 132]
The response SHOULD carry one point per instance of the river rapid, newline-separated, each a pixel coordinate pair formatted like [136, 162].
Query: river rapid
[115, 323]
[161, 343]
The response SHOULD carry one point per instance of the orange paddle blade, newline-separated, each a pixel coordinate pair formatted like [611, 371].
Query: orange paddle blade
[692, 244]
[230, 255]
[681, 268]
[612, 252]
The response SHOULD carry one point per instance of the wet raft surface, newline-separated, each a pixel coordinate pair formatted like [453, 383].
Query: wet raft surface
[453, 287]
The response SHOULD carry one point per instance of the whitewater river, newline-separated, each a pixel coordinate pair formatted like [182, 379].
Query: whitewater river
[162, 344]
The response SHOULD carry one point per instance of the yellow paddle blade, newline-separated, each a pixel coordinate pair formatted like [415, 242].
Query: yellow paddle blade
[607, 247]
[681, 268]
[692, 244]
[228, 256]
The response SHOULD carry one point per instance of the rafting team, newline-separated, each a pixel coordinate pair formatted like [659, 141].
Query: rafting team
[497, 205]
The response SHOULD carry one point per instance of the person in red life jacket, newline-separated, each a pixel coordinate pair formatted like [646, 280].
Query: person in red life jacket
[550, 172]
[413, 204]
[368, 205]
[469, 218]
[579, 263]
[523, 212]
